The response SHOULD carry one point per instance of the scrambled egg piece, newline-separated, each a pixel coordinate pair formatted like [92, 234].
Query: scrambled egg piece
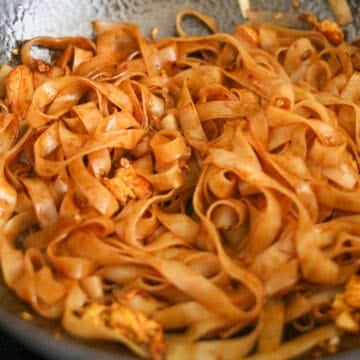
[347, 306]
[329, 29]
[127, 184]
[130, 324]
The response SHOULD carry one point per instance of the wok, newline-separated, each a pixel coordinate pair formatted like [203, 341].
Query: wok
[23, 19]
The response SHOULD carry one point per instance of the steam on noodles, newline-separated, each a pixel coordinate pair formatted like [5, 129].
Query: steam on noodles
[190, 195]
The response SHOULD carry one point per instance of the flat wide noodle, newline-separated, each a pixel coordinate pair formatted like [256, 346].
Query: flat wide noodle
[207, 185]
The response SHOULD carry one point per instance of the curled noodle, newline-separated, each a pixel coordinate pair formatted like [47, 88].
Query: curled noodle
[207, 185]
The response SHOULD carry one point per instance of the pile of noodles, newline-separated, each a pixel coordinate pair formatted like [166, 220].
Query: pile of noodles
[236, 224]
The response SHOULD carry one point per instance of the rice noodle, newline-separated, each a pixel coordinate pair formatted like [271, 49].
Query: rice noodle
[203, 184]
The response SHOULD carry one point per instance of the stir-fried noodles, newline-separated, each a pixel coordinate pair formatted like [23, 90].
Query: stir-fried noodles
[189, 197]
